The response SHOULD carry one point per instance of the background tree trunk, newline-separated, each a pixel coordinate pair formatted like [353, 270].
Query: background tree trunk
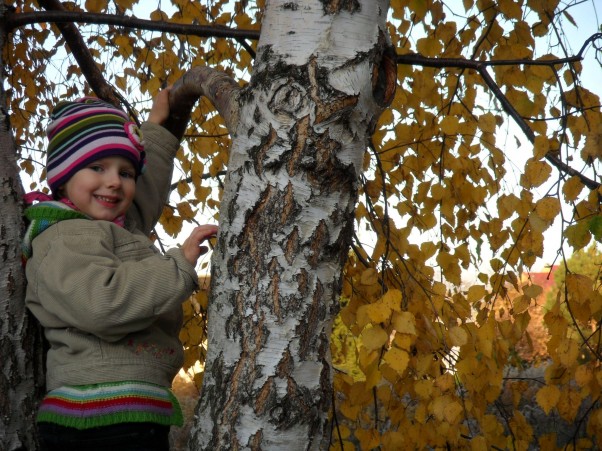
[286, 221]
[21, 376]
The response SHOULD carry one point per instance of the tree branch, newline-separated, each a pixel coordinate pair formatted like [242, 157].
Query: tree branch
[221, 90]
[550, 156]
[82, 54]
[463, 63]
[15, 20]
[481, 67]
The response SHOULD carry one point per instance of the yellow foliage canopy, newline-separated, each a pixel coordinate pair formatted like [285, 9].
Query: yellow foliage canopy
[453, 207]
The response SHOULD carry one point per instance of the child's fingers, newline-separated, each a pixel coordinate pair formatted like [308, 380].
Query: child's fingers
[205, 231]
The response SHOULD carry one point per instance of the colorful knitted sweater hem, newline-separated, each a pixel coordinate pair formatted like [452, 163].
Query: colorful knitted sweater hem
[89, 406]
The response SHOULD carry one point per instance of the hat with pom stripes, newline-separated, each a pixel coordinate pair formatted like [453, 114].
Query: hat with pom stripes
[86, 130]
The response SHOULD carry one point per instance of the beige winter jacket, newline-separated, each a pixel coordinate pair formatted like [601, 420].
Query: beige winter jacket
[109, 302]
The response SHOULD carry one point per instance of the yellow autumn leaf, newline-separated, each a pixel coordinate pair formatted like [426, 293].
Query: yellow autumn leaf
[347, 445]
[394, 439]
[392, 300]
[27, 166]
[368, 438]
[547, 397]
[183, 188]
[536, 173]
[171, 224]
[445, 382]
[158, 15]
[438, 406]
[572, 188]
[532, 291]
[568, 352]
[123, 42]
[578, 235]
[369, 277]
[121, 82]
[475, 293]
[458, 336]
[374, 337]
[548, 208]
[423, 388]
[520, 304]
[541, 146]
[583, 375]
[404, 323]
[452, 411]
[197, 169]
[185, 210]
[449, 125]
[487, 123]
[578, 286]
[202, 299]
[397, 359]
[478, 443]
[96, 6]
[375, 313]
[429, 46]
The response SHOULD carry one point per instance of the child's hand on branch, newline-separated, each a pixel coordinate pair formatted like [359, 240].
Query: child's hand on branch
[160, 110]
[192, 248]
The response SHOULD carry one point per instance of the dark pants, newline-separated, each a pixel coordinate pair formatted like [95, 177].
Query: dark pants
[117, 437]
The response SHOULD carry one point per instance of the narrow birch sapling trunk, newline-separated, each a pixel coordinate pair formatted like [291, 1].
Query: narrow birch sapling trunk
[322, 76]
[21, 375]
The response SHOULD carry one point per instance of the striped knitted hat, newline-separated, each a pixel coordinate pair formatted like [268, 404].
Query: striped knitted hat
[86, 130]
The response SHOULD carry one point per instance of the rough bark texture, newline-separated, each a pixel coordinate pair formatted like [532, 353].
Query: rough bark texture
[286, 221]
[21, 377]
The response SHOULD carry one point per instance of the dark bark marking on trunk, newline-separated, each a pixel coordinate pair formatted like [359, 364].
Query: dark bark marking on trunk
[258, 154]
[293, 6]
[330, 175]
[384, 73]
[249, 239]
[265, 393]
[303, 282]
[253, 336]
[338, 6]
[337, 104]
[306, 330]
[232, 207]
[299, 147]
[290, 208]
[288, 100]
[319, 240]
[234, 322]
[285, 366]
[255, 441]
[292, 246]
[263, 79]
[214, 397]
[274, 289]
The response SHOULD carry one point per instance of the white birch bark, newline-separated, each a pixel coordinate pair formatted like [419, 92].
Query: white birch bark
[303, 125]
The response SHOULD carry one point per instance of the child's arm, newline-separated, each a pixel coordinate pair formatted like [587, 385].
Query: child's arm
[160, 109]
[152, 187]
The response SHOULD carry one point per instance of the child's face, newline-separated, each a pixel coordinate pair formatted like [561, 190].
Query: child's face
[104, 189]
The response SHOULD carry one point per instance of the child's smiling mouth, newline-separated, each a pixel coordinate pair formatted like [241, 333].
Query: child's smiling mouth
[106, 199]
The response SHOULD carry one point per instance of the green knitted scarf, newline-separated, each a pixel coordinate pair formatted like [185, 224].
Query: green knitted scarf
[41, 216]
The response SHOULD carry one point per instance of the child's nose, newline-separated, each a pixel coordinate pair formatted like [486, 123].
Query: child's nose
[113, 179]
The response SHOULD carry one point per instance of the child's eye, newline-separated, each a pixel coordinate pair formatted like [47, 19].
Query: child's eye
[127, 174]
[95, 167]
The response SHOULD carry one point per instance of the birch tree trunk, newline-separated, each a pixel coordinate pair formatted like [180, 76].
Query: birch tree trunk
[300, 130]
[21, 376]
